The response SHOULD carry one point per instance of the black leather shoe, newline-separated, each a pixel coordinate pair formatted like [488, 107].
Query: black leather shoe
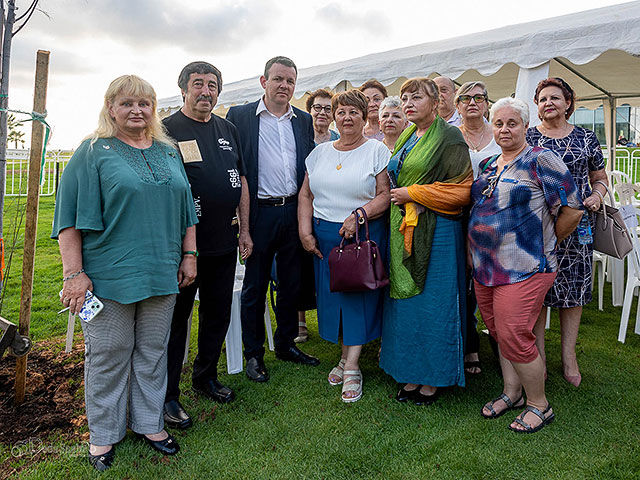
[294, 354]
[214, 390]
[175, 416]
[422, 399]
[102, 462]
[404, 395]
[256, 370]
[168, 446]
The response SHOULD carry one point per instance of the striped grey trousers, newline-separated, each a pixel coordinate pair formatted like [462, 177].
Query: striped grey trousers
[126, 358]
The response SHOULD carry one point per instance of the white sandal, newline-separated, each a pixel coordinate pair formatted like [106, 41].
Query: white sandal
[337, 371]
[352, 387]
[302, 338]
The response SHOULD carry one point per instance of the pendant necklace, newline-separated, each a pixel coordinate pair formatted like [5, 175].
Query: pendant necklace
[340, 152]
[474, 147]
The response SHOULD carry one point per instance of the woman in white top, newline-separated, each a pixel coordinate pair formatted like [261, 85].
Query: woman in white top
[472, 103]
[341, 176]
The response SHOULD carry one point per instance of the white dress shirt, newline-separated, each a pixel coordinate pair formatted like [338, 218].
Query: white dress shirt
[455, 119]
[276, 154]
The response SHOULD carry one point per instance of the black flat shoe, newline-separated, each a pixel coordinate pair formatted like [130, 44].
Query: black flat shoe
[256, 370]
[422, 399]
[168, 446]
[175, 415]
[103, 461]
[295, 355]
[214, 390]
[404, 395]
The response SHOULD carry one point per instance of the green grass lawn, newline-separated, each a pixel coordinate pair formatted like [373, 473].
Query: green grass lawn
[296, 426]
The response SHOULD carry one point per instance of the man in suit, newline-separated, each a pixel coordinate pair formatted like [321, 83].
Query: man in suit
[275, 139]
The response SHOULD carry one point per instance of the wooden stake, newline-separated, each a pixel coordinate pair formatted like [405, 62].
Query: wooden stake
[31, 222]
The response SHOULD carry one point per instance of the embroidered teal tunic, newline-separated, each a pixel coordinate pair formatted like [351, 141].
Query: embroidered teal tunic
[133, 207]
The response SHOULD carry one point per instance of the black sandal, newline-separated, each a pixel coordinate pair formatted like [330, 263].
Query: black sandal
[527, 427]
[510, 406]
[473, 364]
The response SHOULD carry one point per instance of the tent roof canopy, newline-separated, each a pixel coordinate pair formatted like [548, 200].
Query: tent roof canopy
[596, 51]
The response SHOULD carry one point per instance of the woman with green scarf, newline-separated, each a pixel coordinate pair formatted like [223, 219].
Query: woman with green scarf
[422, 330]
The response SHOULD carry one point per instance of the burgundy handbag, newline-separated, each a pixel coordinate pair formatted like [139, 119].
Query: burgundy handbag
[357, 266]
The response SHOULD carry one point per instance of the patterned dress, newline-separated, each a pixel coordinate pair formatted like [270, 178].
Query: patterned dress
[581, 152]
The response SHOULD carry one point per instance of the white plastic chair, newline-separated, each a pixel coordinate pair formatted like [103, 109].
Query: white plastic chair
[233, 340]
[615, 267]
[627, 191]
[600, 260]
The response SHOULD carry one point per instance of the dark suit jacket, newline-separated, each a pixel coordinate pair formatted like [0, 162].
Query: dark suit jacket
[248, 123]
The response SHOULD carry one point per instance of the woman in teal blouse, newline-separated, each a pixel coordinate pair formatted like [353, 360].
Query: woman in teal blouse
[125, 224]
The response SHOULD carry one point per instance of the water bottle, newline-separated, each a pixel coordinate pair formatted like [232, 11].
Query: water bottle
[584, 230]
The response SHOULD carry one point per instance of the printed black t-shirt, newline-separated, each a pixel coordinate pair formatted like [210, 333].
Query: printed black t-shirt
[213, 162]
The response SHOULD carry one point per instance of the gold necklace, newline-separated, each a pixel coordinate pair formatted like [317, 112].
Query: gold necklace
[340, 152]
[339, 165]
[475, 148]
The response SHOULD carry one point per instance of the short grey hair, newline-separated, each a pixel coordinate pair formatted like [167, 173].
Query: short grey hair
[467, 87]
[393, 102]
[518, 105]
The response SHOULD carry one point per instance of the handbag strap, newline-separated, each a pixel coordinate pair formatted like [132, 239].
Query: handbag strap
[608, 190]
[603, 205]
[366, 222]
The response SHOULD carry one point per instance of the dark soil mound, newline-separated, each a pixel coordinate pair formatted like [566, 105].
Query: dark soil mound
[54, 401]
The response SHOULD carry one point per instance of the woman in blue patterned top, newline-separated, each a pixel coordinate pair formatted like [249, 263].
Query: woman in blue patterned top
[580, 151]
[524, 200]
[125, 223]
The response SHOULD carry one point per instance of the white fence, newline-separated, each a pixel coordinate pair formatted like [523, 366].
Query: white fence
[627, 161]
[18, 167]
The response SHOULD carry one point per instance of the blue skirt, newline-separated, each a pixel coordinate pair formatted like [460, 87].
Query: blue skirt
[361, 312]
[422, 340]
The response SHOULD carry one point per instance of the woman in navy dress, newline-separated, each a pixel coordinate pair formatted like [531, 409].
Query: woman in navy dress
[580, 150]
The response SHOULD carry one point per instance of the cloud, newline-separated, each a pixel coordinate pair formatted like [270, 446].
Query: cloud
[338, 17]
[141, 24]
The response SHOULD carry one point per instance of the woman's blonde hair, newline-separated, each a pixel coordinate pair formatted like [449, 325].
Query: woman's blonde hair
[129, 85]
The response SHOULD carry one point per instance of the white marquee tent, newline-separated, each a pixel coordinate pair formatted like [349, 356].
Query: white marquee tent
[596, 51]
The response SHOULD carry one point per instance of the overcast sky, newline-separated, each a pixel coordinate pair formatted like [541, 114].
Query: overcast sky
[94, 41]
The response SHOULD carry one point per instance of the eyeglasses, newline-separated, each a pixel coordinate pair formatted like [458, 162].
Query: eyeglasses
[319, 108]
[492, 181]
[480, 98]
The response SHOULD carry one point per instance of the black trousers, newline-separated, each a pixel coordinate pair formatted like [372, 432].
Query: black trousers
[215, 280]
[275, 234]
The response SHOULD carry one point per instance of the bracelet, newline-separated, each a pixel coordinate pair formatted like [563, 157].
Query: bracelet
[599, 194]
[190, 252]
[73, 275]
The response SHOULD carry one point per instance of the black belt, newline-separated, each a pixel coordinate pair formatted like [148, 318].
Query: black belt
[277, 201]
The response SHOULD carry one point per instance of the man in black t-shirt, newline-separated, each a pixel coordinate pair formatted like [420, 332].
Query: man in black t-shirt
[212, 159]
